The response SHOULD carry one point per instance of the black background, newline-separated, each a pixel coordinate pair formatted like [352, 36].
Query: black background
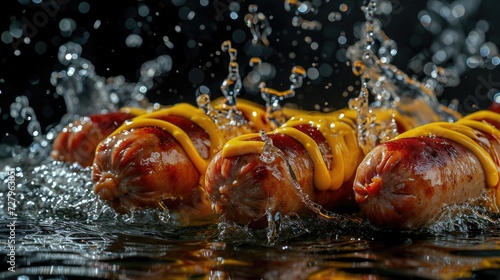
[29, 72]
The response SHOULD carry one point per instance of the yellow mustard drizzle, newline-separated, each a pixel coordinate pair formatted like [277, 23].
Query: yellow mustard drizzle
[289, 112]
[350, 116]
[241, 145]
[340, 138]
[255, 115]
[195, 115]
[175, 131]
[189, 112]
[254, 112]
[463, 132]
[483, 115]
[343, 145]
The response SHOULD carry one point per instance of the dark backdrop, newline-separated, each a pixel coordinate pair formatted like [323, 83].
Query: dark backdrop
[196, 30]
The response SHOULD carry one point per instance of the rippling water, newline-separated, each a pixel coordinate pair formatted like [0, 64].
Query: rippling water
[62, 232]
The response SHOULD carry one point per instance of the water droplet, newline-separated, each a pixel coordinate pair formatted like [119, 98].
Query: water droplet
[334, 16]
[67, 26]
[231, 86]
[133, 41]
[258, 24]
[269, 151]
[272, 97]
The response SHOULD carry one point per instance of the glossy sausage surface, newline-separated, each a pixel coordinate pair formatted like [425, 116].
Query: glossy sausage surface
[139, 168]
[403, 184]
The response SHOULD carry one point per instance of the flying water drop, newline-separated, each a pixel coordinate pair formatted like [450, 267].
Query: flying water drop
[301, 8]
[268, 151]
[259, 25]
[231, 86]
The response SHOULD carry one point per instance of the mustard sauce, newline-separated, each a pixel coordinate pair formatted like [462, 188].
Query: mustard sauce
[195, 115]
[186, 111]
[254, 113]
[179, 135]
[483, 115]
[340, 137]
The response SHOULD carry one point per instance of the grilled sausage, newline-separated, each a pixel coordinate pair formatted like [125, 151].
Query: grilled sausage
[246, 189]
[147, 168]
[293, 171]
[406, 182]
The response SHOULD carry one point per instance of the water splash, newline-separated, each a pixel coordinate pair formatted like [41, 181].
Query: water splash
[52, 189]
[267, 155]
[21, 112]
[203, 101]
[164, 213]
[259, 49]
[228, 118]
[465, 217]
[258, 24]
[391, 88]
[272, 97]
[301, 8]
[83, 90]
[231, 86]
[84, 93]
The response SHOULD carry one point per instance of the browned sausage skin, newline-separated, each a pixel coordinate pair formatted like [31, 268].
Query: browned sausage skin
[144, 166]
[403, 184]
[406, 182]
[79, 139]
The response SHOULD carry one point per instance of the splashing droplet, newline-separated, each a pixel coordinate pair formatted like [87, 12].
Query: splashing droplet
[231, 86]
[268, 151]
[272, 97]
[391, 87]
[258, 24]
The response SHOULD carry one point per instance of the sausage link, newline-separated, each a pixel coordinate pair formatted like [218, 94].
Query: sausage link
[403, 184]
[246, 189]
[406, 182]
[141, 167]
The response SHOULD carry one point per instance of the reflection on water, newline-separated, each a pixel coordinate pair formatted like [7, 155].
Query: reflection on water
[64, 248]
